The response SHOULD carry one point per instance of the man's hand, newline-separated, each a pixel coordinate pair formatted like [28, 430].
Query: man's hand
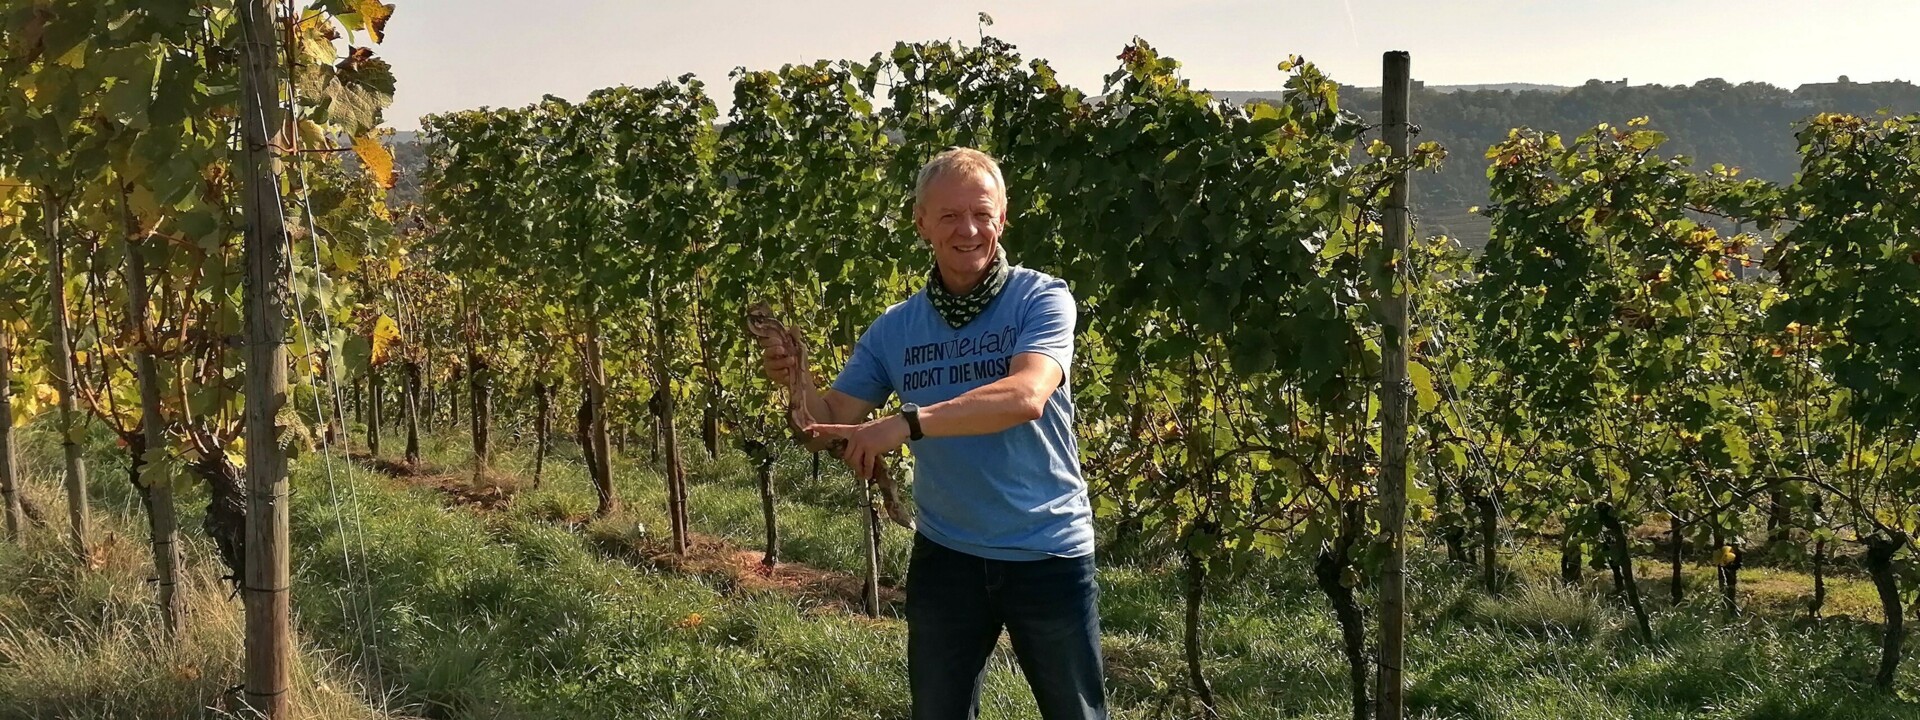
[777, 361]
[867, 443]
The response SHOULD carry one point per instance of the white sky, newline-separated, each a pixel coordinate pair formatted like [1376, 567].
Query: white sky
[455, 54]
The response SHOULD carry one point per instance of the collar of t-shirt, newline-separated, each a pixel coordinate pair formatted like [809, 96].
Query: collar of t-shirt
[958, 310]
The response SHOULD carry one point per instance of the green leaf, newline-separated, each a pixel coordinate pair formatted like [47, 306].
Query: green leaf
[1423, 393]
[134, 74]
[361, 87]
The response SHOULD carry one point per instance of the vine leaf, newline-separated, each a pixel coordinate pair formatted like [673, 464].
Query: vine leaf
[376, 158]
[361, 85]
[385, 334]
[375, 14]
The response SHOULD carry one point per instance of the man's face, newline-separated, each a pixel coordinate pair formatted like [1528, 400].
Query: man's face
[961, 217]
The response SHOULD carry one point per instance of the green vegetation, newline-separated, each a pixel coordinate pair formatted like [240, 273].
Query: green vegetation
[83, 640]
[1615, 381]
[534, 611]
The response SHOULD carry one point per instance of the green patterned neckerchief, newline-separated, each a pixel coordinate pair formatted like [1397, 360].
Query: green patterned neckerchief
[958, 310]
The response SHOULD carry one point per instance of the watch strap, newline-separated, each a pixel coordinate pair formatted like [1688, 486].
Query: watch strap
[912, 414]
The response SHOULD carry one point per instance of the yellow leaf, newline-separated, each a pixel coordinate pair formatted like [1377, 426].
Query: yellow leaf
[375, 13]
[374, 156]
[311, 135]
[386, 332]
[24, 408]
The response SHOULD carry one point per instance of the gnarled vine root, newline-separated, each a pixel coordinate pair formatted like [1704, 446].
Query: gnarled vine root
[771, 332]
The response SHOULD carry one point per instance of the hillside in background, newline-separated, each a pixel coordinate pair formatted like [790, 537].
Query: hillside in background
[1242, 96]
[1749, 126]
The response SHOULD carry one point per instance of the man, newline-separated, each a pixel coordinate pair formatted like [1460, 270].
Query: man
[980, 358]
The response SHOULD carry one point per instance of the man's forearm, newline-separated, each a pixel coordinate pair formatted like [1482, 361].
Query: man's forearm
[984, 410]
[824, 412]
[816, 404]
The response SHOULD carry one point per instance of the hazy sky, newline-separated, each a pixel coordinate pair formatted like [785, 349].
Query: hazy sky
[454, 54]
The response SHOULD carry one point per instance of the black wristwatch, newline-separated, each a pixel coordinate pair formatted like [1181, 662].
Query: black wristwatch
[911, 412]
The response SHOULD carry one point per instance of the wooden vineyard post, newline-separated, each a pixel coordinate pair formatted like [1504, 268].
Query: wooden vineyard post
[264, 584]
[870, 585]
[1394, 394]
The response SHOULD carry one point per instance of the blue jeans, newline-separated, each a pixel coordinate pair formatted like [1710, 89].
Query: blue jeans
[957, 604]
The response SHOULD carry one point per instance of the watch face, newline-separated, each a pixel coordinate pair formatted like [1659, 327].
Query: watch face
[909, 408]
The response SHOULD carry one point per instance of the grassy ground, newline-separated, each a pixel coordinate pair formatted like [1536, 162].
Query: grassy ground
[82, 639]
[515, 605]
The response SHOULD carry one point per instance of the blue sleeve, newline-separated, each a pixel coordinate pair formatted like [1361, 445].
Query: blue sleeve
[1047, 327]
[865, 377]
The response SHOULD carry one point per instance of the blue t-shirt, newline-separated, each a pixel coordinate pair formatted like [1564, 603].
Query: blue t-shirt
[1016, 494]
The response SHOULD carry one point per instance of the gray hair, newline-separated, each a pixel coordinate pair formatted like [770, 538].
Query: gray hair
[959, 159]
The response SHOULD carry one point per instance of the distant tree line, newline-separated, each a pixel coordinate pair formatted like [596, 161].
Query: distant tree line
[1749, 126]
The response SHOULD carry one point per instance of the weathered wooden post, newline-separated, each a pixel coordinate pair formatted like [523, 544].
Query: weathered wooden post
[264, 584]
[1394, 394]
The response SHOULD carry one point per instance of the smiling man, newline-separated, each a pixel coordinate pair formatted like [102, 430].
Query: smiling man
[980, 359]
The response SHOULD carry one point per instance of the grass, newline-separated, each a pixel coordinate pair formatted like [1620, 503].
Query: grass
[533, 610]
[82, 639]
